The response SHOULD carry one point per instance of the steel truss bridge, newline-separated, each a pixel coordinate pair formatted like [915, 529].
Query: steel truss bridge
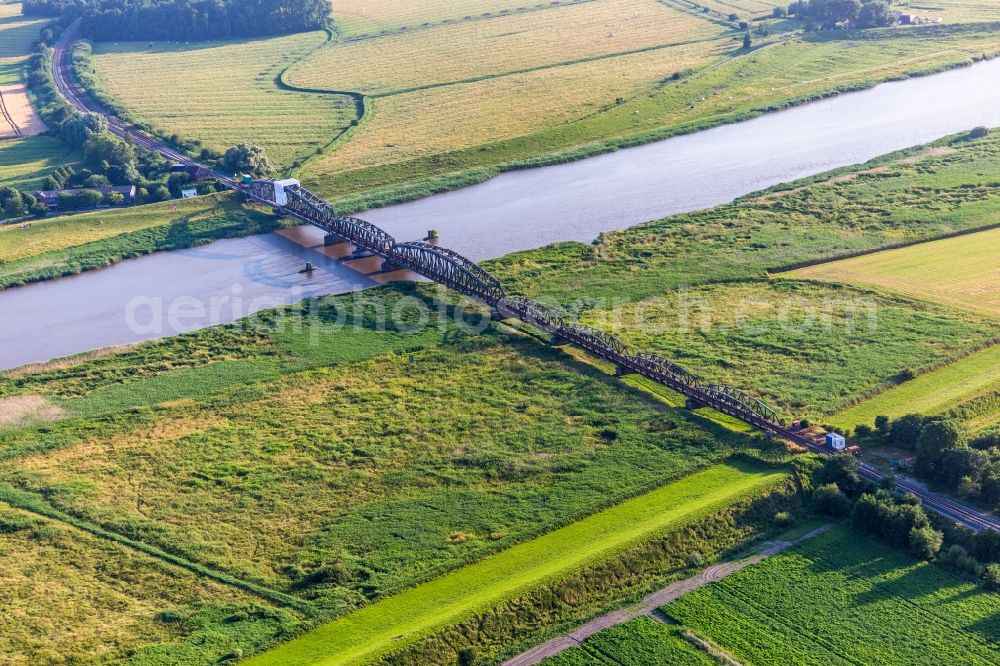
[459, 274]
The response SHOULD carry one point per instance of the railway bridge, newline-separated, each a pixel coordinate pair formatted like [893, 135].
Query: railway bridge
[450, 269]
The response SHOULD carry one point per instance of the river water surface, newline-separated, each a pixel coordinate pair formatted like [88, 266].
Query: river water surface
[519, 210]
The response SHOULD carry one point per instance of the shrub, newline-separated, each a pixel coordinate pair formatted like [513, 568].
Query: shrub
[831, 500]
[925, 542]
[978, 132]
[784, 519]
[991, 577]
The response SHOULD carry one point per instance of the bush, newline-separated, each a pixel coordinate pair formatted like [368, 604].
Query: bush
[978, 132]
[925, 542]
[991, 577]
[830, 500]
[784, 519]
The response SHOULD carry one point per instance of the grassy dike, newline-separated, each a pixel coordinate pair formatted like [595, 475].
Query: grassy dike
[397, 620]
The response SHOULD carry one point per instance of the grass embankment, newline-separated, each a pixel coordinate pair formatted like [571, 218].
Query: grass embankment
[392, 622]
[224, 93]
[59, 246]
[968, 389]
[844, 598]
[962, 272]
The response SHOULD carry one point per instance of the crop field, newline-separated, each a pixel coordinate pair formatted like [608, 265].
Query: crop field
[803, 346]
[25, 162]
[951, 11]
[406, 138]
[963, 272]
[17, 33]
[225, 93]
[744, 9]
[844, 598]
[371, 631]
[104, 603]
[356, 19]
[639, 642]
[967, 389]
[506, 44]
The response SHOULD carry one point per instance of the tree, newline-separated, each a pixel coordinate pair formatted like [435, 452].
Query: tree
[830, 500]
[925, 542]
[938, 436]
[986, 546]
[247, 158]
[882, 425]
[114, 198]
[906, 430]
[747, 40]
[874, 14]
[77, 129]
[991, 577]
[779, 12]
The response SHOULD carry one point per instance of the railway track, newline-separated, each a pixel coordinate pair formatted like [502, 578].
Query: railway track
[459, 274]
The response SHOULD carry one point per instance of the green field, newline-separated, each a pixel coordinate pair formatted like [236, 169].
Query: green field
[225, 93]
[954, 388]
[372, 631]
[963, 272]
[71, 597]
[638, 642]
[844, 598]
[25, 162]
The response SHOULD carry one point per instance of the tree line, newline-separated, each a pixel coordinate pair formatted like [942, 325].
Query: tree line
[831, 14]
[187, 20]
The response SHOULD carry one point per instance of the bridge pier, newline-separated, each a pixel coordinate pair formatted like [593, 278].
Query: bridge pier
[389, 267]
[692, 404]
[330, 239]
[621, 370]
[556, 341]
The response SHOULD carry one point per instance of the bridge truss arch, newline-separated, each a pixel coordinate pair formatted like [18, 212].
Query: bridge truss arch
[449, 268]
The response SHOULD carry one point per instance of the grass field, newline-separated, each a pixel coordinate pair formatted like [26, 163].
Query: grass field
[963, 272]
[968, 382]
[17, 33]
[67, 245]
[506, 44]
[104, 603]
[636, 643]
[804, 347]
[844, 598]
[225, 93]
[373, 630]
[409, 136]
[361, 18]
[25, 162]
[952, 10]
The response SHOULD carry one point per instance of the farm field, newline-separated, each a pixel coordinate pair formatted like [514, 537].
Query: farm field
[25, 162]
[844, 598]
[511, 43]
[69, 596]
[358, 19]
[804, 347]
[636, 643]
[967, 389]
[952, 10]
[962, 272]
[409, 137]
[371, 631]
[744, 9]
[225, 93]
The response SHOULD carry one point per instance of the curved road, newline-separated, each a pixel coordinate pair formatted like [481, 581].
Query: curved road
[62, 74]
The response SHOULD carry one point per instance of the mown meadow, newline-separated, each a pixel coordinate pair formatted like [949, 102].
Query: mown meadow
[843, 598]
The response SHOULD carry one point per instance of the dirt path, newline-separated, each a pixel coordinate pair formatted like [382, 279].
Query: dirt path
[659, 598]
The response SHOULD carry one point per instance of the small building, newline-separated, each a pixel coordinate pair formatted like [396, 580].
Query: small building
[50, 198]
[188, 194]
[836, 441]
[280, 197]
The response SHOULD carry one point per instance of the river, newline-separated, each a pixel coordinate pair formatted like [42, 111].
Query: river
[515, 211]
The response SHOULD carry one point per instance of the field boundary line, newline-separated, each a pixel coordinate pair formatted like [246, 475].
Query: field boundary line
[541, 68]
[408, 30]
[7, 117]
[32, 503]
[788, 268]
[651, 602]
